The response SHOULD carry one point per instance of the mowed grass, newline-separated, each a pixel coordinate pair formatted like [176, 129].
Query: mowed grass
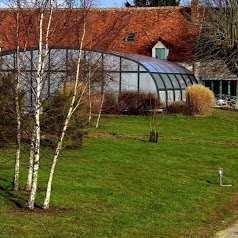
[121, 185]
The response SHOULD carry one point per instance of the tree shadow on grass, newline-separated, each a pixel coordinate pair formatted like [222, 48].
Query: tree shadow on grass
[18, 198]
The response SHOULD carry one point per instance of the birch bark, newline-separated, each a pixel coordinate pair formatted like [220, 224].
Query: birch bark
[18, 114]
[101, 105]
[73, 106]
[43, 51]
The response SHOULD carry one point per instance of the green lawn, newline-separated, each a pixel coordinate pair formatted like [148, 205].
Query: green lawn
[121, 185]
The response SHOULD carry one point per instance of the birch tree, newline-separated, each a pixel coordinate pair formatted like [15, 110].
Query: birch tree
[41, 27]
[18, 114]
[43, 52]
[73, 107]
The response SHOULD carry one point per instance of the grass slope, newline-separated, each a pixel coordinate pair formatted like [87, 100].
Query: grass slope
[121, 185]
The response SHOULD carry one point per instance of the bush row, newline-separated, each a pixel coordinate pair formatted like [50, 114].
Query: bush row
[199, 101]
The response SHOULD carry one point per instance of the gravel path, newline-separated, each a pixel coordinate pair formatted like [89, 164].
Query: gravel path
[231, 232]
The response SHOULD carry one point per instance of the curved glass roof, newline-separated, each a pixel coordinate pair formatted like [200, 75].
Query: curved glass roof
[154, 64]
[126, 71]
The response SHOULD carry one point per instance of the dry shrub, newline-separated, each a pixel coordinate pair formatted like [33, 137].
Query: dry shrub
[199, 99]
[110, 105]
[177, 108]
[130, 102]
[137, 103]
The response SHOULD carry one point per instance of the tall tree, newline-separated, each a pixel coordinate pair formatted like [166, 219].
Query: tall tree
[217, 39]
[45, 24]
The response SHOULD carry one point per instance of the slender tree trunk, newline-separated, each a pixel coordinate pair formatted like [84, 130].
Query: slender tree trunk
[71, 110]
[18, 115]
[89, 100]
[36, 163]
[18, 144]
[43, 52]
[101, 106]
[30, 164]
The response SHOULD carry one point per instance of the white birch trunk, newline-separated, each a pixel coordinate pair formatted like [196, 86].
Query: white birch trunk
[39, 82]
[18, 116]
[30, 164]
[18, 142]
[36, 163]
[71, 110]
[90, 100]
[102, 101]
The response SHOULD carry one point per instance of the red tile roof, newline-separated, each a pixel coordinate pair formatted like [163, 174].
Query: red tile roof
[106, 29]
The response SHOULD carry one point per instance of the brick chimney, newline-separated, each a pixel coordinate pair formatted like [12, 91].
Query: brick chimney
[194, 9]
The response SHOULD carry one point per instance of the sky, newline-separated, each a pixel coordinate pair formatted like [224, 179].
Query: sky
[111, 3]
[121, 3]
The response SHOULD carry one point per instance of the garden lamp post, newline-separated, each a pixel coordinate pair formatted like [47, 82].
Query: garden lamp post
[220, 173]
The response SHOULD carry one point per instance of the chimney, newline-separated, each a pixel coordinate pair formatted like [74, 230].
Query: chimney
[194, 10]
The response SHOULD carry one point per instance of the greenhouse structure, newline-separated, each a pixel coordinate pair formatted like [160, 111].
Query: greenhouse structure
[123, 71]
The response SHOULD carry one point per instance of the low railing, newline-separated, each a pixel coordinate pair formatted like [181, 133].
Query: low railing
[222, 100]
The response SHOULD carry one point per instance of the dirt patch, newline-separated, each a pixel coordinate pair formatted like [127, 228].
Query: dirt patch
[219, 219]
[113, 135]
[37, 210]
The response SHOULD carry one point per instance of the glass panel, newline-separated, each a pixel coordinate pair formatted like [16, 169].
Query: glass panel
[34, 59]
[25, 60]
[72, 55]
[178, 95]
[56, 80]
[183, 95]
[181, 80]
[170, 96]
[8, 62]
[112, 63]
[129, 81]
[92, 56]
[166, 80]
[128, 65]
[113, 82]
[57, 59]
[166, 66]
[174, 81]
[149, 67]
[142, 68]
[192, 78]
[187, 79]
[159, 81]
[147, 83]
[162, 96]
[27, 80]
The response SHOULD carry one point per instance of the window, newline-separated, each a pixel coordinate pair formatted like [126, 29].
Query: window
[130, 36]
[160, 53]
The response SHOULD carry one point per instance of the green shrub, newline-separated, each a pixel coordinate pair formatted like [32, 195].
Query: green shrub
[8, 108]
[53, 117]
[199, 99]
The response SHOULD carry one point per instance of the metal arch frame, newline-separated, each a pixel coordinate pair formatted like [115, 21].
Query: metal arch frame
[66, 48]
[180, 87]
[151, 74]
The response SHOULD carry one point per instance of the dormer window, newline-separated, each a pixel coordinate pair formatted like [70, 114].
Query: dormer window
[130, 36]
[160, 51]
